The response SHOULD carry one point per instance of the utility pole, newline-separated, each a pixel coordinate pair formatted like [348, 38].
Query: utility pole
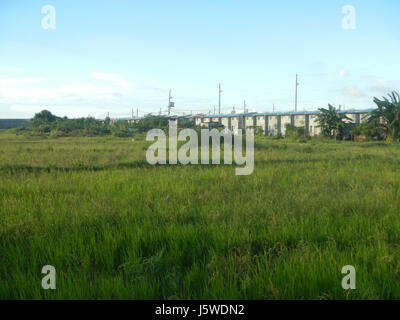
[137, 113]
[219, 99]
[170, 104]
[244, 107]
[295, 102]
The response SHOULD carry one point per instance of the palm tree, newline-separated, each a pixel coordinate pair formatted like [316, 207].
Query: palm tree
[331, 121]
[386, 116]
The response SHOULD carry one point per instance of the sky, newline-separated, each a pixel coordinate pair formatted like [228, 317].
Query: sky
[104, 57]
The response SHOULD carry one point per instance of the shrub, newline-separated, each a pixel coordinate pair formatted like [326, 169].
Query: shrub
[122, 133]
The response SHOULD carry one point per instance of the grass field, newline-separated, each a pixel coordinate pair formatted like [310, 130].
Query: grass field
[117, 228]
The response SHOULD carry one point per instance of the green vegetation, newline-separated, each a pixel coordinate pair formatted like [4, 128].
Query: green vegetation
[383, 123]
[115, 227]
[333, 123]
[152, 122]
[293, 132]
[45, 124]
[386, 117]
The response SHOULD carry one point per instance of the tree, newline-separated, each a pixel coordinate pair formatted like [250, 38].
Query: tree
[45, 122]
[294, 132]
[331, 121]
[43, 117]
[386, 116]
[151, 122]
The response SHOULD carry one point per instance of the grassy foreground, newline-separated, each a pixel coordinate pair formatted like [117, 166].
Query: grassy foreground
[117, 228]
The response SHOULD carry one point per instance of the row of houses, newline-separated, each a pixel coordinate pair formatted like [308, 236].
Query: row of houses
[273, 123]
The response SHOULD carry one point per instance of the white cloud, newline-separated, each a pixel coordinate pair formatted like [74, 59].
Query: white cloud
[11, 69]
[105, 76]
[111, 77]
[17, 90]
[99, 94]
[33, 94]
[19, 81]
[84, 89]
[343, 73]
[353, 92]
[96, 95]
[382, 87]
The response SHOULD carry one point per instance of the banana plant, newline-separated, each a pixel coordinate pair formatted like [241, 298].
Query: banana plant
[387, 115]
[331, 121]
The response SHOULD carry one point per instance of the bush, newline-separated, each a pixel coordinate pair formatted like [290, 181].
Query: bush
[295, 132]
[371, 130]
[151, 122]
[45, 123]
[122, 133]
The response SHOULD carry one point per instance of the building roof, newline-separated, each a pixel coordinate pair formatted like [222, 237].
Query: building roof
[252, 114]
[356, 111]
[231, 115]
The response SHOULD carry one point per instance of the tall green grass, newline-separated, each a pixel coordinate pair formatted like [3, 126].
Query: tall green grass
[117, 228]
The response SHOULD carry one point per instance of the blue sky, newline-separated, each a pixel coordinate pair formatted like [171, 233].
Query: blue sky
[112, 56]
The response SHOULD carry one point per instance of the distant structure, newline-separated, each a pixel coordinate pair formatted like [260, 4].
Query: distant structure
[295, 99]
[13, 123]
[170, 103]
[273, 123]
[219, 99]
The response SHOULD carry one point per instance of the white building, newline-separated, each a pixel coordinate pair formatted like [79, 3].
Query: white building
[271, 123]
[274, 123]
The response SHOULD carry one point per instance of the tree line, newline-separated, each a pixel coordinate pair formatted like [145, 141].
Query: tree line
[45, 123]
[383, 123]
